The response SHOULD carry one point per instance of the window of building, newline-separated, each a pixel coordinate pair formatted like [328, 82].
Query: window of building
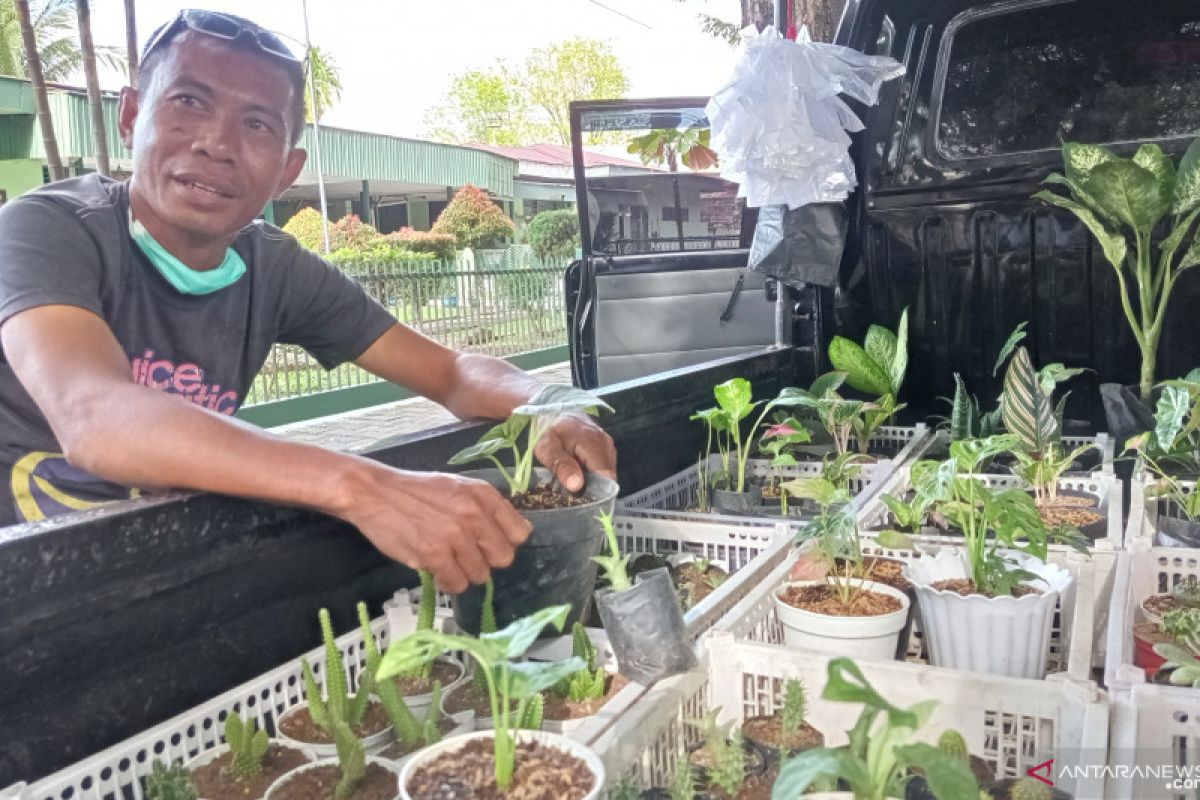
[669, 215]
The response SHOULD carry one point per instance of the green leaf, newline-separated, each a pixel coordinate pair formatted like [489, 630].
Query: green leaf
[714, 418]
[894, 540]
[1187, 181]
[800, 771]
[1175, 238]
[478, 451]
[847, 684]
[527, 678]
[1151, 158]
[963, 412]
[423, 646]
[830, 381]
[898, 367]
[515, 639]
[1129, 193]
[1051, 375]
[861, 370]
[880, 344]
[558, 398]
[819, 490]
[1191, 257]
[1081, 196]
[1173, 407]
[1014, 339]
[1080, 159]
[1027, 410]
[1113, 243]
[734, 397]
[947, 777]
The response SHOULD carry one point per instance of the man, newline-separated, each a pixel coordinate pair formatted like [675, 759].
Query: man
[122, 302]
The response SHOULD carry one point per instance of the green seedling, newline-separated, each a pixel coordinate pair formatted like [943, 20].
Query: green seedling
[615, 565]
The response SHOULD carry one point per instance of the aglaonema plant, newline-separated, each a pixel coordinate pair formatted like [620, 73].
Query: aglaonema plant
[839, 416]
[876, 367]
[536, 417]
[1123, 200]
[496, 655]
[776, 442]
[881, 750]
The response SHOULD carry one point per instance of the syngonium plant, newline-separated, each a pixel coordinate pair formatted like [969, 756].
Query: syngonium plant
[537, 415]
[1122, 200]
[876, 367]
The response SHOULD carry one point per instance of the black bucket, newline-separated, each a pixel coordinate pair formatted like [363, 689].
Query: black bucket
[553, 567]
[645, 628]
[741, 504]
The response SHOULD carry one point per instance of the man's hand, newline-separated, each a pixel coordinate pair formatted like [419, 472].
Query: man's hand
[573, 445]
[455, 527]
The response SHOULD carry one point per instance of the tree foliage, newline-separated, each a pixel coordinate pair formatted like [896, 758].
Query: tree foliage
[512, 105]
[474, 220]
[54, 27]
[819, 16]
[326, 84]
[554, 234]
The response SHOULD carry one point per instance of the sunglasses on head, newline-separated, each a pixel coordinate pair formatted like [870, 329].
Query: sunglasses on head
[222, 26]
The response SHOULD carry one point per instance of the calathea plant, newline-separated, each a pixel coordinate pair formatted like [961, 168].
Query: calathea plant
[881, 750]
[1123, 200]
[536, 416]
[877, 367]
[967, 420]
[496, 655]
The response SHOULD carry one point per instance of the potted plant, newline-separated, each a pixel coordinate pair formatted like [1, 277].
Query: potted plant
[1118, 199]
[844, 612]
[245, 766]
[726, 765]
[716, 425]
[876, 762]
[582, 694]
[877, 367]
[169, 782]
[998, 578]
[839, 416]
[785, 732]
[1172, 447]
[416, 689]
[777, 442]
[696, 577]
[554, 564]
[1183, 595]
[1026, 788]
[312, 726]
[514, 757]
[642, 618]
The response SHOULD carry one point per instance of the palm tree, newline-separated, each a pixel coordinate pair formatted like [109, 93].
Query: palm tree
[669, 146]
[58, 48]
[33, 64]
[325, 83]
[131, 48]
[95, 103]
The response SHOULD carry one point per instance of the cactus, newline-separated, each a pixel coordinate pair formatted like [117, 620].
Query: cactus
[952, 743]
[683, 785]
[352, 760]
[531, 720]
[729, 765]
[169, 783]
[1029, 789]
[408, 729]
[487, 624]
[795, 708]
[430, 732]
[248, 745]
[428, 604]
[337, 705]
[581, 645]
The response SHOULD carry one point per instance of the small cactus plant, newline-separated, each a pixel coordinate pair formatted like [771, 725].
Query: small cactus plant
[728, 772]
[534, 712]
[487, 624]
[683, 785]
[248, 745]
[169, 783]
[408, 729]
[952, 743]
[795, 708]
[338, 704]
[1030, 789]
[589, 683]
[1187, 593]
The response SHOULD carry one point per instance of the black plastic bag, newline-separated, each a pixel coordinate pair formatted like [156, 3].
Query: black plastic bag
[800, 246]
[645, 628]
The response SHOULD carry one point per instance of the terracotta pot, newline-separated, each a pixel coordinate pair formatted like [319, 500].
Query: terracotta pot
[1143, 649]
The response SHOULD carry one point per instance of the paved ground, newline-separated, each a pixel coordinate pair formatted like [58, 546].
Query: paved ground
[358, 430]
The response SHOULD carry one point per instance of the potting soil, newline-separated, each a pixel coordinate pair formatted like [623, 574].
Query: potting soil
[822, 599]
[966, 587]
[548, 495]
[563, 708]
[213, 782]
[541, 773]
[444, 672]
[398, 750]
[768, 732]
[301, 727]
[320, 782]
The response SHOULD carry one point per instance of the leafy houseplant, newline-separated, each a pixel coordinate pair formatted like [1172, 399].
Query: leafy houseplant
[495, 654]
[775, 442]
[880, 751]
[840, 417]
[877, 367]
[1118, 199]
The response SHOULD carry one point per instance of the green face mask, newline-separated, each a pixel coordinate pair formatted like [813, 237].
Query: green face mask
[180, 275]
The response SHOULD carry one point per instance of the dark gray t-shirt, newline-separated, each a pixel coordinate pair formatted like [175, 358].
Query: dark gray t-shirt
[68, 244]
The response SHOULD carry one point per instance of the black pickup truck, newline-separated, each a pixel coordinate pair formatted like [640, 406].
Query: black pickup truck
[116, 619]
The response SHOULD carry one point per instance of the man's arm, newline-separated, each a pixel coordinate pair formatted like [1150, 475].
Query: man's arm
[73, 367]
[474, 386]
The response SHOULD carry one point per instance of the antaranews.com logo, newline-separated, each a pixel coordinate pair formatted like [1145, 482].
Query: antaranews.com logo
[1145, 781]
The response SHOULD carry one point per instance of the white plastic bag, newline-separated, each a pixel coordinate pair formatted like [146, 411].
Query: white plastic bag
[781, 127]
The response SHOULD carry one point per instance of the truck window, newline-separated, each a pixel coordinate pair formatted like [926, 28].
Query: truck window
[1024, 79]
[653, 185]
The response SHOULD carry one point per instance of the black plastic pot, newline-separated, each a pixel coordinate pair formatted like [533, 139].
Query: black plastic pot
[1001, 790]
[646, 629]
[555, 564]
[1175, 532]
[741, 504]
[1127, 415]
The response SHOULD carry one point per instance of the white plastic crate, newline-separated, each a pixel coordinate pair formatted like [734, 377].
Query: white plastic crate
[1012, 724]
[1145, 510]
[754, 618]
[672, 498]
[1155, 728]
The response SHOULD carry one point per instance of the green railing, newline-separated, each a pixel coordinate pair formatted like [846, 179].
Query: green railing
[497, 302]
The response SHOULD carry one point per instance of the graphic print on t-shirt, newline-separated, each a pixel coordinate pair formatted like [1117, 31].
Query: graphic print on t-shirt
[185, 379]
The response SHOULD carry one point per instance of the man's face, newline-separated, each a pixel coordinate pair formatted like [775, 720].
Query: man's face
[210, 135]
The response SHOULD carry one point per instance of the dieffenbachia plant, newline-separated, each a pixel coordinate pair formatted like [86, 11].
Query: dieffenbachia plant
[876, 367]
[1122, 199]
[508, 679]
[881, 752]
[735, 401]
[537, 415]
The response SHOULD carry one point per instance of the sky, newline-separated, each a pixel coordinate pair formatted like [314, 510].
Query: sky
[397, 56]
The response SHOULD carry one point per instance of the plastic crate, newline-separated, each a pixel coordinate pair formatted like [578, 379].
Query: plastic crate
[1144, 510]
[1014, 725]
[751, 552]
[1153, 726]
[673, 497]
[1102, 441]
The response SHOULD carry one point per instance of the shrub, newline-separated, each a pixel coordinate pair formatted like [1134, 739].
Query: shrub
[554, 234]
[441, 245]
[349, 231]
[305, 225]
[474, 220]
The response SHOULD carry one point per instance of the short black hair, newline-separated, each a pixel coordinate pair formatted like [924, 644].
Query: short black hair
[159, 43]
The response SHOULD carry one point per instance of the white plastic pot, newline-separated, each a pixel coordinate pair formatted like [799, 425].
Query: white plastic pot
[478, 723]
[372, 744]
[419, 703]
[213, 753]
[325, 762]
[854, 637]
[593, 762]
[464, 722]
[1150, 615]
[996, 635]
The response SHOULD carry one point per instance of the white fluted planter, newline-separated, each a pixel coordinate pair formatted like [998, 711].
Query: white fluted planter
[854, 637]
[996, 635]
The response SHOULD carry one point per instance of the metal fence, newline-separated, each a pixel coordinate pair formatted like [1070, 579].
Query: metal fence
[497, 302]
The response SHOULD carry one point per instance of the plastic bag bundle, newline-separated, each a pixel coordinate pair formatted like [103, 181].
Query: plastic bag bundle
[781, 126]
